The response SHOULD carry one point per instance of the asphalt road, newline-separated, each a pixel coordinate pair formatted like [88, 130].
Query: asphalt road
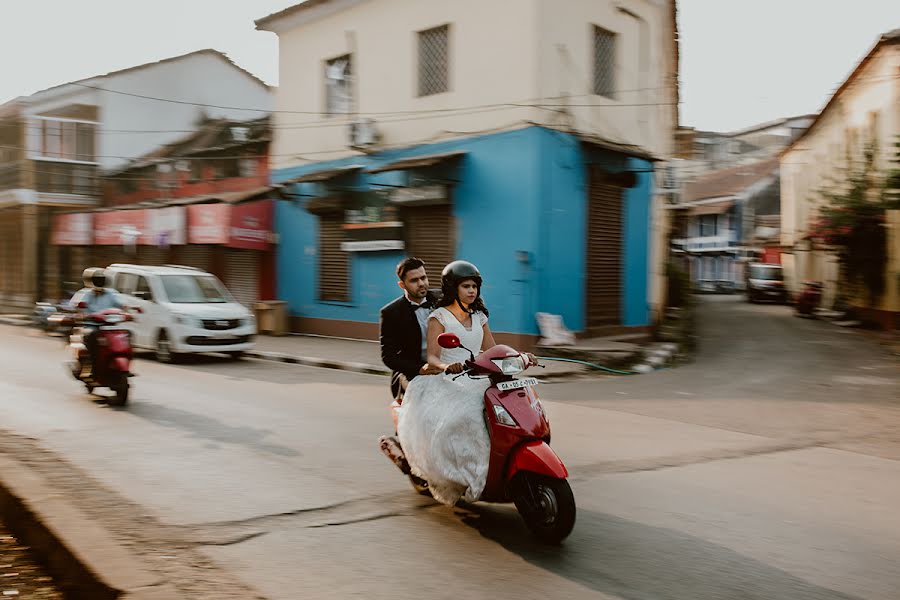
[767, 468]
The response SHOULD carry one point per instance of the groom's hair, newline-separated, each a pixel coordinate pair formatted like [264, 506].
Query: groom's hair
[409, 264]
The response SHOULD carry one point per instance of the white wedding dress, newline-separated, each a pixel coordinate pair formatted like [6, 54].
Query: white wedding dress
[441, 426]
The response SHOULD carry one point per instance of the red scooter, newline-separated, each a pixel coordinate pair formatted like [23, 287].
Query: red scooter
[522, 468]
[808, 299]
[112, 367]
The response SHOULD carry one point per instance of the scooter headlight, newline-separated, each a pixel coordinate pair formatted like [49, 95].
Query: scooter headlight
[511, 365]
[503, 416]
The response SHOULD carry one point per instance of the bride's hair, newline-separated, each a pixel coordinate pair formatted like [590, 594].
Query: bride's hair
[450, 294]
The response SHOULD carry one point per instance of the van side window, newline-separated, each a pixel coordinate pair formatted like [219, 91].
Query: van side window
[143, 289]
[125, 283]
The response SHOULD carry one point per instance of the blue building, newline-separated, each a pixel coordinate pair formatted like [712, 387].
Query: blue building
[556, 223]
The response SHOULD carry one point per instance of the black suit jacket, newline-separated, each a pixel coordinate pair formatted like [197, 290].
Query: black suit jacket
[401, 339]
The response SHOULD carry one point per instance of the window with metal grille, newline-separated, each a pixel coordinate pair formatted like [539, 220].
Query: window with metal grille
[434, 57]
[334, 263]
[338, 85]
[604, 62]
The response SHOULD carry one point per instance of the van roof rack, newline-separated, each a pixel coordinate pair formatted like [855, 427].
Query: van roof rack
[184, 267]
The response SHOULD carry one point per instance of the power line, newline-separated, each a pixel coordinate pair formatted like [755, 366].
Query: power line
[325, 113]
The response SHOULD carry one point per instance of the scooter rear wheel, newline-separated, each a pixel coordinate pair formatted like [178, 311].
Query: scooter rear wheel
[121, 391]
[546, 504]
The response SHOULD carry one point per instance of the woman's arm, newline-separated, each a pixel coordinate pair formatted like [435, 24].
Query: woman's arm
[487, 341]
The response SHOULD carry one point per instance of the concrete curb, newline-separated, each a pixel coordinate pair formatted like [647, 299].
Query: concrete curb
[84, 559]
[656, 356]
[367, 369]
[311, 361]
[15, 321]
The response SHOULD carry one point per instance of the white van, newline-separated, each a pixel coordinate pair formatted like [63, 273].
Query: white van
[182, 310]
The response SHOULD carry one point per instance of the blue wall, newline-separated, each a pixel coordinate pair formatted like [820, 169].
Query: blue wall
[521, 217]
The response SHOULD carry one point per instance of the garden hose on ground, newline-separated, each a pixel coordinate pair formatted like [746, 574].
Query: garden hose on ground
[592, 365]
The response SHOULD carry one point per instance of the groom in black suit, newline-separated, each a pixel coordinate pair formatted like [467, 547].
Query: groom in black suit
[404, 325]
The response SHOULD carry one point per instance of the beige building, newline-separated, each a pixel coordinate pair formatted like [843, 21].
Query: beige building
[864, 110]
[364, 83]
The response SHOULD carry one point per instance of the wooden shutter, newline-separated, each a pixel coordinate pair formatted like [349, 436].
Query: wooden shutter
[604, 252]
[430, 236]
[334, 263]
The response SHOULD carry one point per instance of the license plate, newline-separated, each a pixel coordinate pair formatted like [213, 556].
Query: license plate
[517, 384]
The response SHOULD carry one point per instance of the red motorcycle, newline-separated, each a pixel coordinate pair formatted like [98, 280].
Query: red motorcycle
[112, 367]
[523, 469]
[808, 299]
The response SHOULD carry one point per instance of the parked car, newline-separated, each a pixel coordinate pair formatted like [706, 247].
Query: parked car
[182, 310]
[765, 282]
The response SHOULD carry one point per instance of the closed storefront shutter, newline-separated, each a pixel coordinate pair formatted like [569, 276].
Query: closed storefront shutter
[242, 275]
[334, 263]
[103, 256]
[152, 256]
[604, 252]
[431, 236]
[196, 255]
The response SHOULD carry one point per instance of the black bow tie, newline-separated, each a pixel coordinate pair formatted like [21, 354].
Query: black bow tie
[425, 304]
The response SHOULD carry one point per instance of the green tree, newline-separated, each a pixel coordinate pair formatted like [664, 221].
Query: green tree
[852, 219]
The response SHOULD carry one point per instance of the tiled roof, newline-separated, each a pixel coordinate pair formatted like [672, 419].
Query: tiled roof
[729, 182]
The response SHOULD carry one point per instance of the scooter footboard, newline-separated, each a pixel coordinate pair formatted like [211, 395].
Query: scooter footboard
[536, 457]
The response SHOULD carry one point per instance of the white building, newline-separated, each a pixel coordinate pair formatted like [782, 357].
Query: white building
[56, 141]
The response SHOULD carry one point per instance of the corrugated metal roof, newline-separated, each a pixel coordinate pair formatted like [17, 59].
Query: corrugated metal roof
[415, 162]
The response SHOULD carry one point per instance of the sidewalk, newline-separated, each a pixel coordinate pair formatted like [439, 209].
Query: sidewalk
[364, 356]
[361, 356]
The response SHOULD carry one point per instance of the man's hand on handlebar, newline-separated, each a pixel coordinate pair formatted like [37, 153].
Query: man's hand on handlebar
[454, 368]
[428, 369]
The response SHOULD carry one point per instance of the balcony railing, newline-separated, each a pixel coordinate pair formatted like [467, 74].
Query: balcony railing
[66, 178]
[10, 176]
[711, 242]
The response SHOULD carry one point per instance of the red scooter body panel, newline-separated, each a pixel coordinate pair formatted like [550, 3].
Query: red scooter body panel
[506, 441]
[537, 457]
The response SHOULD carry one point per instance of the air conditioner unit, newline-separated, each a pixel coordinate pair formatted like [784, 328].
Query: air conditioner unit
[363, 134]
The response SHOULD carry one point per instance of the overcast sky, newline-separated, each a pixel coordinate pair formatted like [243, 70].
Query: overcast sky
[742, 61]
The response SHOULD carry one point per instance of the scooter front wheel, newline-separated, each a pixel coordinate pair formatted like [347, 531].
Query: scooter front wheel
[546, 504]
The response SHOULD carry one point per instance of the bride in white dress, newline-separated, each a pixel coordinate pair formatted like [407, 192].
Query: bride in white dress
[442, 428]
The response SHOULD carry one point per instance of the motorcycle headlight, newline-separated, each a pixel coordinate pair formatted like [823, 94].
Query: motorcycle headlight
[503, 416]
[512, 365]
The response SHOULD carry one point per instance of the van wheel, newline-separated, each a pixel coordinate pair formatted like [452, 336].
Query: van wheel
[164, 352]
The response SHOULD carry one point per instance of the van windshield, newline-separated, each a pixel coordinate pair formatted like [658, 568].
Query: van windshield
[766, 273]
[194, 289]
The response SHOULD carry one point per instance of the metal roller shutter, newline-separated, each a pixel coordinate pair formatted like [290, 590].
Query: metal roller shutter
[242, 275]
[431, 236]
[152, 256]
[196, 255]
[604, 252]
[103, 256]
[334, 263]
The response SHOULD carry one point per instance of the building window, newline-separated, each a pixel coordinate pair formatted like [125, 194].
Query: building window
[604, 62]
[248, 167]
[434, 58]
[196, 173]
[67, 140]
[707, 225]
[338, 85]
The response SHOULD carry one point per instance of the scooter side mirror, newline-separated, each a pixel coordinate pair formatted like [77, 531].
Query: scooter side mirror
[449, 341]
